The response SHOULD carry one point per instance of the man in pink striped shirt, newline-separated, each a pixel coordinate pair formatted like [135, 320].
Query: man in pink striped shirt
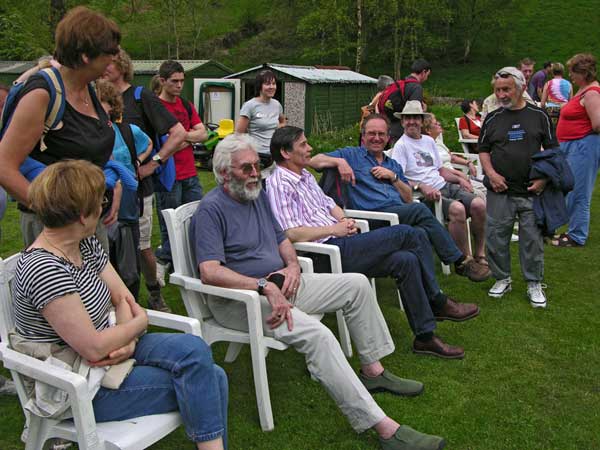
[401, 251]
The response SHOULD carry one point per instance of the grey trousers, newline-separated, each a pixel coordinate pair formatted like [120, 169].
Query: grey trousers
[31, 227]
[321, 293]
[502, 210]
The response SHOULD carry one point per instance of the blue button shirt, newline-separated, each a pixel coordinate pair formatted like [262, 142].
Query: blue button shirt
[369, 193]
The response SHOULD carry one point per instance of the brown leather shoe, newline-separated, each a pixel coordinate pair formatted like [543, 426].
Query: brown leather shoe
[473, 270]
[457, 312]
[439, 348]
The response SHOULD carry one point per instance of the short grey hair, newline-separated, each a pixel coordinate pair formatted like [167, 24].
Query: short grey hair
[383, 82]
[515, 74]
[226, 148]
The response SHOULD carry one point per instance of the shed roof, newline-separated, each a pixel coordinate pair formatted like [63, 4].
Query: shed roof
[150, 66]
[15, 67]
[314, 75]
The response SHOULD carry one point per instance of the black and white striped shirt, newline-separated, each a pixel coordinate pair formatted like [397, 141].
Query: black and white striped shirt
[42, 277]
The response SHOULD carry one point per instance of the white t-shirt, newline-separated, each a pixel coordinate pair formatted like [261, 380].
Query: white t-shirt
[420, 160]
[263, 120]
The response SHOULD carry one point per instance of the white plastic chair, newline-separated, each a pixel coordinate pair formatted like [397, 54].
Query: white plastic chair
[194, 294]
[465, 146]
[131, 434]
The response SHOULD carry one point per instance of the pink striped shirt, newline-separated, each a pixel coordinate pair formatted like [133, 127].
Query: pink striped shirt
[298, 201]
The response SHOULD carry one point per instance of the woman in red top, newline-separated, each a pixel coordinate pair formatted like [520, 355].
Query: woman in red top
[577, 132]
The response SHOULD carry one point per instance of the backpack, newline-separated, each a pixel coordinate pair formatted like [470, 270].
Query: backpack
[392, 100]
[56, 106]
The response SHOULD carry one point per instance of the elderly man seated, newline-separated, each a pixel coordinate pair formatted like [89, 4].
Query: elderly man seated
[421, 163]
[239, 244]
[307, 214]
[377, 183]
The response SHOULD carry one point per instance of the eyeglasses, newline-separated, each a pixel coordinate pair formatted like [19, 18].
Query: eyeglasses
[248, 167]
[503, 74]
[373, 134]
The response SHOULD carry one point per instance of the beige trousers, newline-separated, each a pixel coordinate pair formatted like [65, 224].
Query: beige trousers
[322, 293]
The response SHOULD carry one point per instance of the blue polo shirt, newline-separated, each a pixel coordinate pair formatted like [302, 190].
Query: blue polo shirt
[369, 193]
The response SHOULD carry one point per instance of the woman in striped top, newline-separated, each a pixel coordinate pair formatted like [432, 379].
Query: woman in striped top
[63, 292]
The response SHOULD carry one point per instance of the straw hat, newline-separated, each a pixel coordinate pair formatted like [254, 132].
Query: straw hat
[412, 108]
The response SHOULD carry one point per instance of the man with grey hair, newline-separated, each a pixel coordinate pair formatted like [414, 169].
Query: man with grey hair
[239, 244]
[509, 137]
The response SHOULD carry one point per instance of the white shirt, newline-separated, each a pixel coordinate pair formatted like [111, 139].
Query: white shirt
[420, 160]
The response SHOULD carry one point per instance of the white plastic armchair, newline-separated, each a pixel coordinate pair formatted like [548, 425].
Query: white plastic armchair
[132, 434]
[467, 151]
[195, 293]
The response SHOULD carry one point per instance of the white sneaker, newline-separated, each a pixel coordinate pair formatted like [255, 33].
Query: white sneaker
[161, 271]
[535, 292]
[500, 288]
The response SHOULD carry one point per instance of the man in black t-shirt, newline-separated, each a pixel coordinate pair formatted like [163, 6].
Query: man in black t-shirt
[153, 118]
[413, 90]
[509, 137]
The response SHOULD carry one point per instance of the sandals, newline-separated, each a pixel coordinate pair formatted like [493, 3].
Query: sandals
[482, 260]
[563, 241]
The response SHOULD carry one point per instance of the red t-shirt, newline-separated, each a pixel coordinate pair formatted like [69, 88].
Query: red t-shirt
[574, 123]
[469, 125]
[184, 159]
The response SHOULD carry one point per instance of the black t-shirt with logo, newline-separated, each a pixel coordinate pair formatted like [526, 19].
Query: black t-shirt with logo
[152, 117]
[512, 137]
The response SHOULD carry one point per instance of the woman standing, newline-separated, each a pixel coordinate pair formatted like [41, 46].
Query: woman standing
[262, 115]
[86, 43]
[577, 132]
[557, 92]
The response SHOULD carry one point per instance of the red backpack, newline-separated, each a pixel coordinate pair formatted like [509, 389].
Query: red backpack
[392, 100]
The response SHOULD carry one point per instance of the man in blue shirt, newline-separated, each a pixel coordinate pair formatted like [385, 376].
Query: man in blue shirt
[377, 183]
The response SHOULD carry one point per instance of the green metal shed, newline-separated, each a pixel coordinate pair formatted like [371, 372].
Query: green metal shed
[144, 70]
[316, 98]
[10, 70]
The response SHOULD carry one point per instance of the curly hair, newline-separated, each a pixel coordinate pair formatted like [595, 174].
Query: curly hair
[584, 64]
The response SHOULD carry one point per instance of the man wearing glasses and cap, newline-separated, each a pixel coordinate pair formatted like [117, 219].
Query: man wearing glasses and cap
[509, 137]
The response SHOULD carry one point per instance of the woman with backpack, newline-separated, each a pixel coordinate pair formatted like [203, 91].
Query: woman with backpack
[86, 42]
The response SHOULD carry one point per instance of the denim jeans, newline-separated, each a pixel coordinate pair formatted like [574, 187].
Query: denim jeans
[583, 156]
[184, 191]
[404, 253]
[173, 372]
[419, 215]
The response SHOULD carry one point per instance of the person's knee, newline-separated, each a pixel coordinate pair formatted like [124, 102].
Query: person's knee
[403, 264]
[198, 351]
[456, 212]
[478, 208]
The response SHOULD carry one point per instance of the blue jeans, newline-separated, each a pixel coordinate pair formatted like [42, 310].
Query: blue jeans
[404, 253]
[173, 372]
[419, 215]
[184, 191]
[583, 156]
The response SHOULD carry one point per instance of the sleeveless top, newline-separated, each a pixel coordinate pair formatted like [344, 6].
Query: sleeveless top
[574, 122]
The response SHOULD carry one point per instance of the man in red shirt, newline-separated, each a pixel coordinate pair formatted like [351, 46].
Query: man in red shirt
[187, 187]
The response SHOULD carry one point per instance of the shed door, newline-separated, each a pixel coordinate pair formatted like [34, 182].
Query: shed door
[217, 98]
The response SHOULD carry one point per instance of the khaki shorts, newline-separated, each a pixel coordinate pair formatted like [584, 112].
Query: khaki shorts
[146, 224]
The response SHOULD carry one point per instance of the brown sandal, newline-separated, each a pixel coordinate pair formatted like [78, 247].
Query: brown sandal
[564, 241]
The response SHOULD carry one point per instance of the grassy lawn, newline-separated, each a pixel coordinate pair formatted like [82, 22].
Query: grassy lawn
[530, 380]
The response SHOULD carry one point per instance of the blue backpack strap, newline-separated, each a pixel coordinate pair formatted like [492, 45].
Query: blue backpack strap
[56, 106]
[137, 93]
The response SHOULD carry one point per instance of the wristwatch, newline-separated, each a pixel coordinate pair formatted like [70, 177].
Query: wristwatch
[157, 159]
[395, 178]
[416, 187]
[262, 284]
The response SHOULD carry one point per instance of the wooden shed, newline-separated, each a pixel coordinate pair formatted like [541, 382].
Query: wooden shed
[316, 98]
[145, 69]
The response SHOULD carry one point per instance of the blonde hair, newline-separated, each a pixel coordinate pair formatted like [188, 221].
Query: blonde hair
[107, 92]
[123, 63]
[65, 191]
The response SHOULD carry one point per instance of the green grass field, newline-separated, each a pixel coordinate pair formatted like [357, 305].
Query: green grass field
[530, 380]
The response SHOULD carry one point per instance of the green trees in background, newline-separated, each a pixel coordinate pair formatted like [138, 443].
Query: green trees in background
[374, 36]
